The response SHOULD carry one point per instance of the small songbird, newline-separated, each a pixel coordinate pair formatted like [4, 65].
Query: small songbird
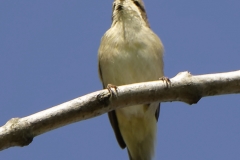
[130, 52]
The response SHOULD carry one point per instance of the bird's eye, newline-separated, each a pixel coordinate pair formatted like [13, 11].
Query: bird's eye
[113, 7]
[119, 8]
[139, 5]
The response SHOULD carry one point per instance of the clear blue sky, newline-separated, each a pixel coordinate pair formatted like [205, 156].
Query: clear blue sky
[48, 55]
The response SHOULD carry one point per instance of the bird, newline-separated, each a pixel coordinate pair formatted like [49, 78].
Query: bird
[130, 52]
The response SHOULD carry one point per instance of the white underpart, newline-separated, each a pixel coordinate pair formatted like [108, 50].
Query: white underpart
[132, 53]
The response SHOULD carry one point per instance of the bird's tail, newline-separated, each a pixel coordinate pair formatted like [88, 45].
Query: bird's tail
[143, 150]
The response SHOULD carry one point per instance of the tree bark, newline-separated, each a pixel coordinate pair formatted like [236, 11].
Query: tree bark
[183, 87]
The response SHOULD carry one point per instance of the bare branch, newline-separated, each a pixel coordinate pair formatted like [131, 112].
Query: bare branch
[183, 87]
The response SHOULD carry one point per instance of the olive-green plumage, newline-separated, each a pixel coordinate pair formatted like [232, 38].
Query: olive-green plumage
[130, 52]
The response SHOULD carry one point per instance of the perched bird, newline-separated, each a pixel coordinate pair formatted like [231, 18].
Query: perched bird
[130, 52]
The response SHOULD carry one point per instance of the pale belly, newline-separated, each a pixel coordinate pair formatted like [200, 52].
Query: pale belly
[125, 67]
[132, 54]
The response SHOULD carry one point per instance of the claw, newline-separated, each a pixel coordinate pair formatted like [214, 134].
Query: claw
[109, 88]
[166, 80]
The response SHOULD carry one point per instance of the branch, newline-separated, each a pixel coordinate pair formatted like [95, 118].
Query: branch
[183, 87]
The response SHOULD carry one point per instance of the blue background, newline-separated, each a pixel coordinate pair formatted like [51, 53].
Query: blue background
[48, 55]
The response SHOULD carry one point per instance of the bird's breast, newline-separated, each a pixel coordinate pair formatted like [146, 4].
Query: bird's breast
[132, 60]
[135, 59]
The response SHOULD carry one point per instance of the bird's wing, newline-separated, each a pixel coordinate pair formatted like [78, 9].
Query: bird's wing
[157, 113]
[114, 122]
[112, 117]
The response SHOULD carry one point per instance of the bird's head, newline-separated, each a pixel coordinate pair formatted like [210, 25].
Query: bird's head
[129, 10]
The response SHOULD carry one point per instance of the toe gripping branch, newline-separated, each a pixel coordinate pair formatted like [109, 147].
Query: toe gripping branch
[109, 88]
[166, 80]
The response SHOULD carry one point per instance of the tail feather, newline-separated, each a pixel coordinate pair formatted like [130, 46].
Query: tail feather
[139, 133]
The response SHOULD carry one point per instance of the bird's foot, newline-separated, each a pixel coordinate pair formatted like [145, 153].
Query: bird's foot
[166, 80]
[109, 88]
